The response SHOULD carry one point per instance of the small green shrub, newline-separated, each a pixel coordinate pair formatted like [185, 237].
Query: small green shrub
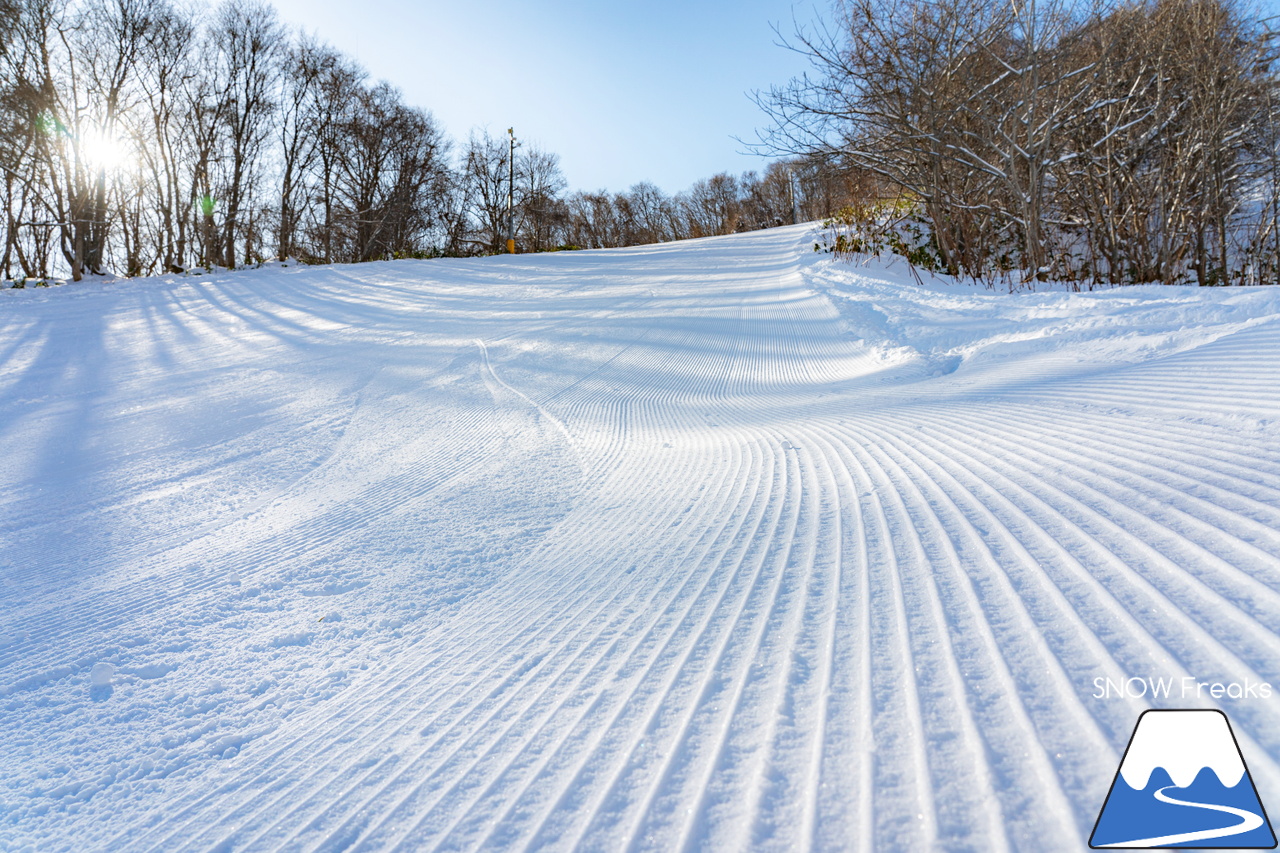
[895, 225]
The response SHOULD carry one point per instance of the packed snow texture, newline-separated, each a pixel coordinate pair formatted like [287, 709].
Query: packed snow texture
[719, 545]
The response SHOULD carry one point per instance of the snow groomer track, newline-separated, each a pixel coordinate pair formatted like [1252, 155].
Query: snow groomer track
[713, 545]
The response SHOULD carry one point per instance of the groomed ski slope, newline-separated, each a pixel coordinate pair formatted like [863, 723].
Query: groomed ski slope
[713, 545]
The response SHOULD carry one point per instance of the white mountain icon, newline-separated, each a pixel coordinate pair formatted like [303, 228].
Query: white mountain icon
[1183, 743]
[1183, 783]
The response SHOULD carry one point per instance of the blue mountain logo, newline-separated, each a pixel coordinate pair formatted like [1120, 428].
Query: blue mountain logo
[1183, 783]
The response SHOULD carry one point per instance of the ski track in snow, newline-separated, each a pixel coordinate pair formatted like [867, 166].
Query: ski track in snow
[712, 545]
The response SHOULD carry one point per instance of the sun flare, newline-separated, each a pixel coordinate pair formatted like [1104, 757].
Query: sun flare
[102, 150]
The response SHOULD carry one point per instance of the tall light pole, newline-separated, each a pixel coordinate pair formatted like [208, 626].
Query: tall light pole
[511, 193]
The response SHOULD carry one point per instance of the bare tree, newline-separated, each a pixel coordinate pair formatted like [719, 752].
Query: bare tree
[162, 132]
[1161, 165]
[249, 42]
[540, 211]
[306, 65]
[70, 70]
[335, 98]
[891, 97]
[1026, 129]
[390, 178]
[484, 177]
[710, 206]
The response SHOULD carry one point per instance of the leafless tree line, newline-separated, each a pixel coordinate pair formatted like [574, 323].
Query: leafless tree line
[1129, 142]
[146, 135]
[141, 135]
[721, 204]
[544, 217]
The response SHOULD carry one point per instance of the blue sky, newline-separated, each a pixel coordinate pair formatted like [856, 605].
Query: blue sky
[622, 91]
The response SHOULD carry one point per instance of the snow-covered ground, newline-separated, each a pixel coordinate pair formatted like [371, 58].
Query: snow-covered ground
[718, 544]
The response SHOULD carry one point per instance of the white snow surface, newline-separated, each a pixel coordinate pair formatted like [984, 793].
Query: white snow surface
[713, 545]
[1183, 743]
